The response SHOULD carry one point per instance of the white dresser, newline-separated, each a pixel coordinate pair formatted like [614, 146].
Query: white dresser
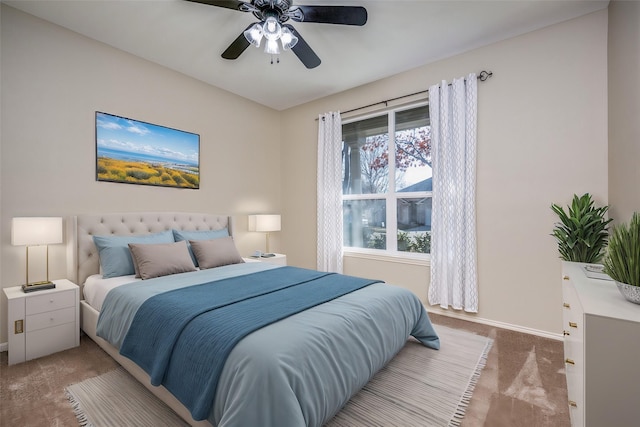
[602, 351]
[42, 322]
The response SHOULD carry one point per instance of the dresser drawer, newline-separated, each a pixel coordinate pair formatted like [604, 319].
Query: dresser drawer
[50, 301]
[38, 321]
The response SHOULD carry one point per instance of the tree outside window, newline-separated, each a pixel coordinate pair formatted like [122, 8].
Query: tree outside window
[387, 191]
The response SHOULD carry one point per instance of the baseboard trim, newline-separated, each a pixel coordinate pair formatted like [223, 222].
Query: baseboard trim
[497, 324]
[4, 347]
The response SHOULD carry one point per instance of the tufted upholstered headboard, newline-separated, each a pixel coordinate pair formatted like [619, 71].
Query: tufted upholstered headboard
[83, 254]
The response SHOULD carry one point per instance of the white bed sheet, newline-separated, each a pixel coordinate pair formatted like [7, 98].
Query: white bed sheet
[96, 288]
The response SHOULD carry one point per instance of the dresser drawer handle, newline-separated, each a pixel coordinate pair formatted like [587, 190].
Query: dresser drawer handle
[570, 361]
[565, 278]
[573, 404]
[573, 324]
[565, 305]
[565, 333]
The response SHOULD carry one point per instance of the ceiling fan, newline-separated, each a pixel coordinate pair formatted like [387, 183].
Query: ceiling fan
[273, 15]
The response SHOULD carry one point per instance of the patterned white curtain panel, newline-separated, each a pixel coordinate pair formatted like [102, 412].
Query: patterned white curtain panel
[330, 193]
[453, 112]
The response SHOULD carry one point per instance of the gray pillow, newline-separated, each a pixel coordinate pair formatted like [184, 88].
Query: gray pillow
[198, 235]
[161, 259]
[216, 252]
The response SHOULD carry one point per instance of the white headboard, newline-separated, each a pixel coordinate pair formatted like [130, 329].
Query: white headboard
[83, 255]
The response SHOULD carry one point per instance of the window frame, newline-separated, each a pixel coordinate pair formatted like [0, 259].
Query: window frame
[391, 253]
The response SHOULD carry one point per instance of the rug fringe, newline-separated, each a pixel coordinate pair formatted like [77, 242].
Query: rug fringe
[77, 410]
[456, 421]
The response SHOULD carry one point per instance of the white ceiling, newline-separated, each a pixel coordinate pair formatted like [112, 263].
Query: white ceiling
[398, 36]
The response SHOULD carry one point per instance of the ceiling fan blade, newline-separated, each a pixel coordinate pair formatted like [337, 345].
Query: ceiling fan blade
[239, 45]
[345, 15]
[303, 51]
[229, 4]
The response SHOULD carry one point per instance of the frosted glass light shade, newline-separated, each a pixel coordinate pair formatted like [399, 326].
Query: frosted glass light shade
[272, 29]
[31, 231]
[264, 223]
[254, 35]
[288, 39]
[271, 47]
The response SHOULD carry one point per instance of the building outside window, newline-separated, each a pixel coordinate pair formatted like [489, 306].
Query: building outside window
[386, 191]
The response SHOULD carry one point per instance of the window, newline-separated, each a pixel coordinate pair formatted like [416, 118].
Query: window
[386, 190]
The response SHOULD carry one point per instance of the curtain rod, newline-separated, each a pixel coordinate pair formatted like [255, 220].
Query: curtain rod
[483, 76]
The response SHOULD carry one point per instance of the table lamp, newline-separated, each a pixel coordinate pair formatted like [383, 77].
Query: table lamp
[36, 231]
[264, 224]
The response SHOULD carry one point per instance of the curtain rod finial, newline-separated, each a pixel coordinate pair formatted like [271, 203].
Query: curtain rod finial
[484, 75]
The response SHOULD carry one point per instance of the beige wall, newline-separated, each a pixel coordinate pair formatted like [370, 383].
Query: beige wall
[624, 109]
[542, 136]
[54, 80]
[542, 129]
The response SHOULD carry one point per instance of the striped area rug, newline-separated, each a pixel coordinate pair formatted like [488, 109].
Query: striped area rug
[419, 387]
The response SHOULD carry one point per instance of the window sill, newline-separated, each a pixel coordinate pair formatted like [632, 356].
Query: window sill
[408, 258]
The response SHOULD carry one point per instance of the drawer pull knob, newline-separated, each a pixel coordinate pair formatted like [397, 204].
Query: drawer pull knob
[573, 404]
[573, 324]
[570, 361]
[565, 333]
[565, 305]
[565, 278]
[51, 301]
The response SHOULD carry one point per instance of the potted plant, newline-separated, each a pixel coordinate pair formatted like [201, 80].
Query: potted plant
[582, 232]
[622, 261]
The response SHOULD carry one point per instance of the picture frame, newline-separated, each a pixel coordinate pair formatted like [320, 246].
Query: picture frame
[131, 151]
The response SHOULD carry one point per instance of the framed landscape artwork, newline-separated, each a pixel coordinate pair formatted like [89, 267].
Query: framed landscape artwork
[135, 152]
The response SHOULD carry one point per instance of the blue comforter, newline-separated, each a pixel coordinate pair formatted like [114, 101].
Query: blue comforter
[297, 371]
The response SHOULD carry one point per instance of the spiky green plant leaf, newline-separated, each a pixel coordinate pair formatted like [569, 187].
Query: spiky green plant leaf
[622, 261]
[582, 233]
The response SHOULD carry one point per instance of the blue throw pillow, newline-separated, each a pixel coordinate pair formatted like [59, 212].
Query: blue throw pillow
[179, 235]
[115, 256]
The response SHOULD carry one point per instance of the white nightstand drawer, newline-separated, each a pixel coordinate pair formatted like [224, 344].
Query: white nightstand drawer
[51, 340]
[50, 318]
[50, 301]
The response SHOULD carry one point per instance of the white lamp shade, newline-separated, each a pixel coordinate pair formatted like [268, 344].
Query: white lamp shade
[264, 223]
[31, 231]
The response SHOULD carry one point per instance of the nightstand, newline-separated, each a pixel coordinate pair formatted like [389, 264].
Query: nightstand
[42, 322]
[278, 259]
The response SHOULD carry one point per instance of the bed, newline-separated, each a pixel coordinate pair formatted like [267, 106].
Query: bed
[297, 364]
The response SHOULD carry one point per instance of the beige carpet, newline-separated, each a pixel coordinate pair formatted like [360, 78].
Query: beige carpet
[420, 387]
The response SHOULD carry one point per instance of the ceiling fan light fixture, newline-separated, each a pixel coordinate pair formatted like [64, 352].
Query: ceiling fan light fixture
[288, 39]
[254, 35]
[273, 16]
